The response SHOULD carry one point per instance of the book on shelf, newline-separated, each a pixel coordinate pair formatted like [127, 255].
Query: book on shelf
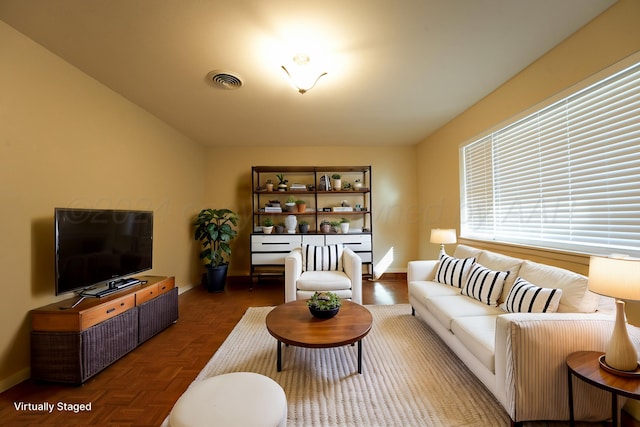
[272, 209]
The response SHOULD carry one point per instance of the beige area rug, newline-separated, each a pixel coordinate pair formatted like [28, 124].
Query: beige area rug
[409, 376]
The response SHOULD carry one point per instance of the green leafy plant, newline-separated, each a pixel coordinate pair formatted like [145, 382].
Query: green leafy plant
[214, 228]
[268, 222]
[304, 222]
[281, 179]
[336, 176]
[291, 199]
[324, 301]
[300, 202]
[343, 220]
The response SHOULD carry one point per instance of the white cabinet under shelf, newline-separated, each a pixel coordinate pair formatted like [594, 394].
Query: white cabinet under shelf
[268, 250]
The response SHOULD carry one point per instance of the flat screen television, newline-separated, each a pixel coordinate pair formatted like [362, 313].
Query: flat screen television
[97, 246]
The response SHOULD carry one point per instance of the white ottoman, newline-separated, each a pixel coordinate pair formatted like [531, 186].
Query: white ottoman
[242, 399]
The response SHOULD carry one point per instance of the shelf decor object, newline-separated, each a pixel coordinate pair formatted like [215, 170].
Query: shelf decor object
[443, 236]
[618, 278]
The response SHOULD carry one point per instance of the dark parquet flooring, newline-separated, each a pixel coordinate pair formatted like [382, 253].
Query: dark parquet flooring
[141, 388]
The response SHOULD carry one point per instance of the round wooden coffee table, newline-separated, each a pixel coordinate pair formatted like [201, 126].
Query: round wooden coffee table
[293, 324]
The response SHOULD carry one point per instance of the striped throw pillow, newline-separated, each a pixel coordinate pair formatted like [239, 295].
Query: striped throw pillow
[529, 298]
[453, 271]
[322, 258]
[484, 284]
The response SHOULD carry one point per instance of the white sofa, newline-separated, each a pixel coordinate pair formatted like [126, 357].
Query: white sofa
[520, 357]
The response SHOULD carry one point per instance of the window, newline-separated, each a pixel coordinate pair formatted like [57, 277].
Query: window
[564, 177]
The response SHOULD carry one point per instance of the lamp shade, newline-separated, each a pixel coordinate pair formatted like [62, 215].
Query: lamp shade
[615, 277]
[443, 236]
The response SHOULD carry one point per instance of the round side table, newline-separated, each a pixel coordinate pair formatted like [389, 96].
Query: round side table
[585, 365]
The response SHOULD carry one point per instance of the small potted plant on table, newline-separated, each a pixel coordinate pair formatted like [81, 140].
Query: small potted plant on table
[301, 205]
[324, 305]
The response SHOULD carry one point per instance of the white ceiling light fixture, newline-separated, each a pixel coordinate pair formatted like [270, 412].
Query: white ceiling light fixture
[302, 73]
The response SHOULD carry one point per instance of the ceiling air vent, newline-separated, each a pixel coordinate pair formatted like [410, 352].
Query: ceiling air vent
[224, 80]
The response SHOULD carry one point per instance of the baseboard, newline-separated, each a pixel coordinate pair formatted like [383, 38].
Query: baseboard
[15, 379]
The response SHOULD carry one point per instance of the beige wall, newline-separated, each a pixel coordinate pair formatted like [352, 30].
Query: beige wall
[68, 141]
[609, 38]
[393, 170]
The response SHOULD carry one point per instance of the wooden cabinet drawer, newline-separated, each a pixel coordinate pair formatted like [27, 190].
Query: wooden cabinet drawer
[313, 239]
[355, 242]
[106, 311]
[268, 258]
[275, 243]
[166, 285]
[146, 293]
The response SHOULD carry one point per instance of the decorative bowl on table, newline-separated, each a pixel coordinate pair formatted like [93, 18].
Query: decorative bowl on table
[324, 305]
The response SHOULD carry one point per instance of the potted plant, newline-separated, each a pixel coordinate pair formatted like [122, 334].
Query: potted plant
[279, 228]
[357, 185]
[344, 225]
[324, 305]
[267, 226]
[290, 203]
[214, 228]
[269, 185]
[334, 226]
[337, 182]
[303, 226]
[325, 226]
[282, 183]
[301, 205]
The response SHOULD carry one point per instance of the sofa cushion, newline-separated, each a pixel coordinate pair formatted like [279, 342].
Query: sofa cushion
[453, 271]
[478, 336]
[576, 298]
[496, 261]
[484, 284]
[323, 281]
[464, 251]
[529, 298]
[322, 258]
[423, 290]
[447, 308]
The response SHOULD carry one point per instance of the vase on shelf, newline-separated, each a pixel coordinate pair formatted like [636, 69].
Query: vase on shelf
[290, 222]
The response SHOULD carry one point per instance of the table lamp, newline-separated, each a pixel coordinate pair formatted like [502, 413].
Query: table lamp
[618, 278]
[443, 236]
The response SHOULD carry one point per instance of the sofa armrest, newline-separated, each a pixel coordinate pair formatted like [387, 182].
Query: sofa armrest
[352, 265]
[292, 272]
[421, 270]
[530, 364]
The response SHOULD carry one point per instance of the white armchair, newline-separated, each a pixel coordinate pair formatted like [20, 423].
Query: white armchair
[347, 284]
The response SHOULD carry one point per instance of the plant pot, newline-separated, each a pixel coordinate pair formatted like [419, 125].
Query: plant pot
[302, 207]
[267, 230]
[288, 207]
[337, 184]
[344, 227]
[269, 186]
[279, 229]
[282, 187]
[216, 278]
[304, 228]
[325, 228]
[324, 314]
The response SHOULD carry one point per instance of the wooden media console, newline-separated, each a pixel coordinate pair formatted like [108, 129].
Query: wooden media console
[71, 344]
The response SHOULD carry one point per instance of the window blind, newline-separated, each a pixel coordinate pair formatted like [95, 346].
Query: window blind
[565, 177]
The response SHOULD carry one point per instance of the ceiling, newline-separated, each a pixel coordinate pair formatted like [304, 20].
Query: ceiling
[396, 70]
